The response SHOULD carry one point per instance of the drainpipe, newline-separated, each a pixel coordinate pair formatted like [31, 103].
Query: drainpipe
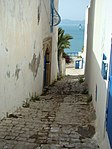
[52, 13]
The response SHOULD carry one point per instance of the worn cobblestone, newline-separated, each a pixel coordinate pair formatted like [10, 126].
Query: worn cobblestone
[62, 119]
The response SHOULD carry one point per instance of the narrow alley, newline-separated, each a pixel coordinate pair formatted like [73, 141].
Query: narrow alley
[62, 118]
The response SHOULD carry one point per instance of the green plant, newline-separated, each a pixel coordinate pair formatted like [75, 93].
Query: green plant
[63, 40]
[81, 80]
[35, 98]
[26, 104]
[63, 43]
[85, 91]
[89, 99]
[79, 56]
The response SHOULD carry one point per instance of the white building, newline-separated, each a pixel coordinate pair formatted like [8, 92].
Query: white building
[99, 29]
[25, 38]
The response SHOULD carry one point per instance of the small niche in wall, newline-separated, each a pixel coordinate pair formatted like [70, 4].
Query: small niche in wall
[38, 17]
[38, 13]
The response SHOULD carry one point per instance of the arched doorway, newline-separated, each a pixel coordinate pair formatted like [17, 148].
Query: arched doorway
[47, 61]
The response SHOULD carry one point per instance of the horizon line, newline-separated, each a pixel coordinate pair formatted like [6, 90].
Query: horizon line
[74, 19]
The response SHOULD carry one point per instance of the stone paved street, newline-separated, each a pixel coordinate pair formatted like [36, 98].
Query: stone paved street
[62, 118]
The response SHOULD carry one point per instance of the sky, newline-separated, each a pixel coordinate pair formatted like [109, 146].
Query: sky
[73, 9]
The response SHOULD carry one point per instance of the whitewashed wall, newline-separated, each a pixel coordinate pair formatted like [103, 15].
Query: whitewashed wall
[23, 27]
[54, 62]
[85, 37]
[63, 67]
[99, 42]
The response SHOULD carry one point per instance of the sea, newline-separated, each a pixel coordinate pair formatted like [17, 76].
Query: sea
[76, 29]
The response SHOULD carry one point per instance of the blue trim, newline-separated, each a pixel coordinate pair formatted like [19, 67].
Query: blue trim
[109, 101]
[54, 16]
[52, 12]
[59, 18]
[104, 57]
[104, 67]
[45, 70]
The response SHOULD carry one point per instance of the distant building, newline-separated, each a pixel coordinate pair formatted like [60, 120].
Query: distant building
[99, 67]
[28, 50]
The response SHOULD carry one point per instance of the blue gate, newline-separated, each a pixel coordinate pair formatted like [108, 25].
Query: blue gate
[109, 106]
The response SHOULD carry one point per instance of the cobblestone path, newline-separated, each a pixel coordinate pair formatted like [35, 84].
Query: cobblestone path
[62, 118]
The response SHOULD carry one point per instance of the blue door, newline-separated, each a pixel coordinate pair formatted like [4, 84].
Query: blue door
[109, 106]
[45, 70]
